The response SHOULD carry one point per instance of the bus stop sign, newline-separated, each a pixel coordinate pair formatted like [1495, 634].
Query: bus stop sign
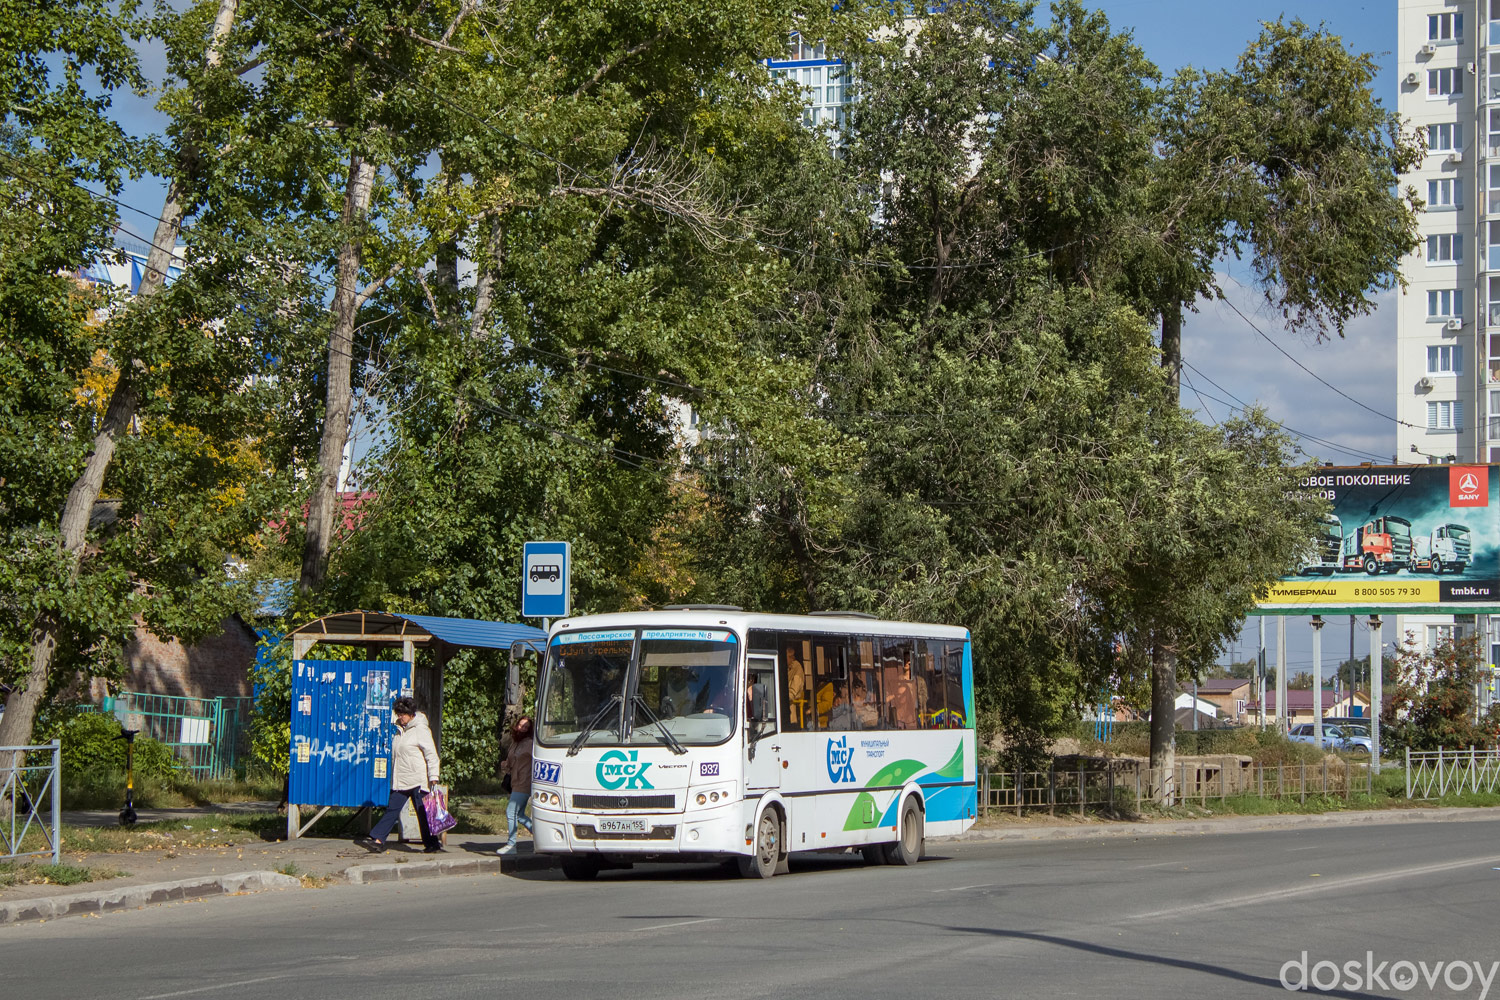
[546, 579]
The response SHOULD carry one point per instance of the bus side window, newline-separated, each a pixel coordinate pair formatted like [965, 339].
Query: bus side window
[953, 677]
[897, 667]
[864, 682]
[930, 669]
[831, 683]
[797, 688]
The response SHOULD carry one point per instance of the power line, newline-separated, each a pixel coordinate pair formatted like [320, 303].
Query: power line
[1246, 407]
[1321, 379]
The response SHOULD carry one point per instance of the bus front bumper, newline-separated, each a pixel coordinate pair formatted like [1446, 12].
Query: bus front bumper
[719, 830]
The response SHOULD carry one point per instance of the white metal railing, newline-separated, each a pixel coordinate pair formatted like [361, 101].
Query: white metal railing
[1431, 774]
[31, 785]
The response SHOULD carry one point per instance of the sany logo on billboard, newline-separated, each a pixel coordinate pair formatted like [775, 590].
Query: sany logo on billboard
[618, 769]
[1469, 486]
[840, 760]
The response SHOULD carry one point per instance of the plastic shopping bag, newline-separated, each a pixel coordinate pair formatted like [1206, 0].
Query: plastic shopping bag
[439, 819]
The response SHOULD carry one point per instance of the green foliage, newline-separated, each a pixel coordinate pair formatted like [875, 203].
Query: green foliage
[270, 721]
[91, 746]
[1432, 701]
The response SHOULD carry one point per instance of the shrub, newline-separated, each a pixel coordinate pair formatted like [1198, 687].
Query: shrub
[91, 745]
[1432, 703]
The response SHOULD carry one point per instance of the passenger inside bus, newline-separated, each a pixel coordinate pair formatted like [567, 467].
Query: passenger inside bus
[796, 689]
[866, 709]
[901, 696]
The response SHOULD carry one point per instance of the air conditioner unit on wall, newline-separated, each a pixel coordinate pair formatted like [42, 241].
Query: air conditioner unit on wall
[1429, 49]
[1411, 79]
[1455, 157]
[1424, 383]
[1454, 324]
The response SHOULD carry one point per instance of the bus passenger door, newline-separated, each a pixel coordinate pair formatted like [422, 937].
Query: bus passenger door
[762, 740]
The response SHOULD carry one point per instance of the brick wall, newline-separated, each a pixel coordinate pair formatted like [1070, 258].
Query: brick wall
[216, 666]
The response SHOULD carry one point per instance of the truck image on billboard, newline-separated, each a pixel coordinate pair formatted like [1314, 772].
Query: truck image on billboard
[1399, 538]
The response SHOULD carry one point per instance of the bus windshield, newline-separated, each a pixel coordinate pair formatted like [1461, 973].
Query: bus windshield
[679, 686]
[686, 687]
[585, 676]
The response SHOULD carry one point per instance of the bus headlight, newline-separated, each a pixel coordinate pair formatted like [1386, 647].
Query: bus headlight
[713, 795]
[546, 798]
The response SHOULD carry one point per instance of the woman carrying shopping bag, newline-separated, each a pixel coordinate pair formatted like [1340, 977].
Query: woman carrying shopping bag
[517, 767]
[414, 771]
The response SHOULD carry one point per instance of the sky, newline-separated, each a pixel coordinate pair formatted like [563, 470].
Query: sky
[1229, 363]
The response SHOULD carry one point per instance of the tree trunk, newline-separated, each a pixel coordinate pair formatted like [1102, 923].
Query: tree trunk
[1163, 720]
[1171, 348]
[73, 526]
[322, 508]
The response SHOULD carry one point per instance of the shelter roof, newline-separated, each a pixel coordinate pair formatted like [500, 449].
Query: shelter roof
[376, 627]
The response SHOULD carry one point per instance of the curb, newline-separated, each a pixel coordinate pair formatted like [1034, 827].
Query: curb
[1230, 824]
[132, 897]
[365, 874]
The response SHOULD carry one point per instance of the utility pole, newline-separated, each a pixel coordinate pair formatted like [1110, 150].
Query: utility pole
[1317, 637]
[1376, 684]
[1353, 670]
[1260, 673]
[1281, 713]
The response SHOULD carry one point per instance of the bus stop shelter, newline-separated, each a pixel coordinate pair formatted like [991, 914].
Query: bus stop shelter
[341, 708]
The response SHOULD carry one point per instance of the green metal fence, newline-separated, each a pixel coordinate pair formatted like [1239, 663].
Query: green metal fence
[210, 735]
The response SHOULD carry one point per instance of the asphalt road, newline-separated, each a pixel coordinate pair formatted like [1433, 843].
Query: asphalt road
[1171, 917]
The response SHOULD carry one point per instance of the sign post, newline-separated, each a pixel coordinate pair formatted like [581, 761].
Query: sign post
[546, 580]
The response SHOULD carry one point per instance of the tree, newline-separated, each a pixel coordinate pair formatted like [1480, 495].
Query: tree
[1434, 701]
[1290, 159]
[1020, 462]
[155, 476]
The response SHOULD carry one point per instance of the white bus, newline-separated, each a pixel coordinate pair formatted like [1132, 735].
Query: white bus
[701, 732]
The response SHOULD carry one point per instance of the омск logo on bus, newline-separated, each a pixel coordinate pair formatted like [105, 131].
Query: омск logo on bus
[618, 769]
[840, 760]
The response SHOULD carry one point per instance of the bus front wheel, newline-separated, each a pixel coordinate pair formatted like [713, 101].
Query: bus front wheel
[908, 849]
[580, 868]
[762, 864]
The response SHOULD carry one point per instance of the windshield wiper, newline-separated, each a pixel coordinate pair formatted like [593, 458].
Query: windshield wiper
[586, 731]
[662, 732]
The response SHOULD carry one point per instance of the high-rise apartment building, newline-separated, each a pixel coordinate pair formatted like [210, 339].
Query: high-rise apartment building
[1448, 322]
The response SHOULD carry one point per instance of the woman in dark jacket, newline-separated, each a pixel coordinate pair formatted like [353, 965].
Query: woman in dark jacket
[518, 765]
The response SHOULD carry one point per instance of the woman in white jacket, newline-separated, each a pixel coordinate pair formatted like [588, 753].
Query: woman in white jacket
[414, 770]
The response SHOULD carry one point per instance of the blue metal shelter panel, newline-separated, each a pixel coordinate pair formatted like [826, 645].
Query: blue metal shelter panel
[342, 728]
[471, 632]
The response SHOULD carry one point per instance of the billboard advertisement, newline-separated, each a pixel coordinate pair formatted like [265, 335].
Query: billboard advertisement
[1399, 538]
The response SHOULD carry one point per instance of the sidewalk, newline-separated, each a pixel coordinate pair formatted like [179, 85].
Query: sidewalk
[156, 876]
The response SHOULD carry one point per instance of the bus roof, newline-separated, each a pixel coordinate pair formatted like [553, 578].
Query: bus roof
[746, 620]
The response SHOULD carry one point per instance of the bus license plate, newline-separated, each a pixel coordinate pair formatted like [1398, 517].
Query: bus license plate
[622, 826]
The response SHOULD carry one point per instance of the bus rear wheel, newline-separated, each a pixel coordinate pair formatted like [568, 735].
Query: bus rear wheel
[576, 868]
[908, 849]
[762, 864]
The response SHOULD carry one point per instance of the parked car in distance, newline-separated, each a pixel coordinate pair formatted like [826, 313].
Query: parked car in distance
[1348, 738]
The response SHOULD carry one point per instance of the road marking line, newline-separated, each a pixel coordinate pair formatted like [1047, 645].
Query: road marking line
[961, 888]
[1321, 888]
[679, 923]
[219, 986]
